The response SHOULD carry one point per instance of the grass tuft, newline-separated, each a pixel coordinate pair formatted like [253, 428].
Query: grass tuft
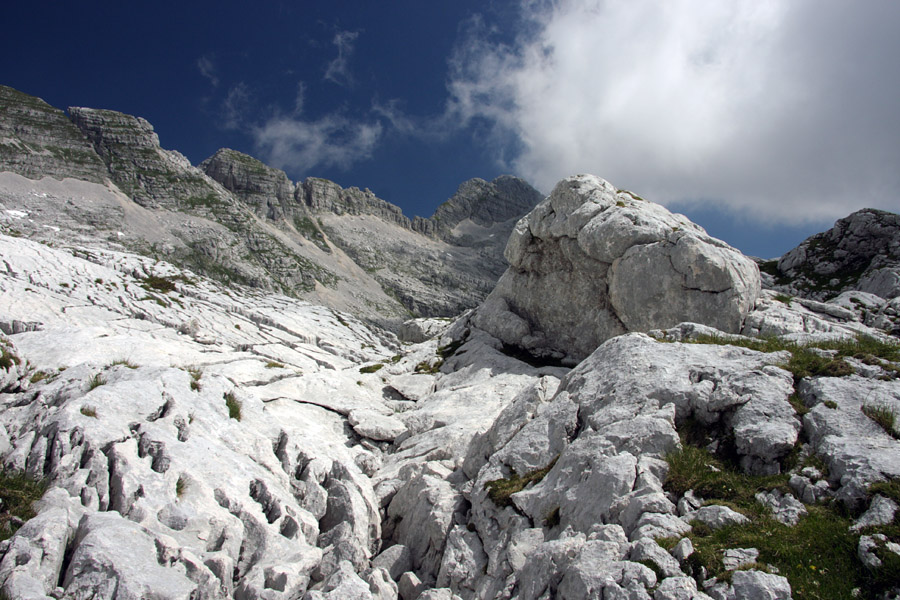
[39, 376]
[884, 416]
[500, 490]
[370, 368]
[274, 365]
[96, 381]
[234, 406]
[89, 411]
[18, 492]
[180, 486]
[123, 362]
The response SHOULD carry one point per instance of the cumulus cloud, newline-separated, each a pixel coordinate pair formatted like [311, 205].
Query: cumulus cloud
[299, 145]
[776, 109]
[338, 70]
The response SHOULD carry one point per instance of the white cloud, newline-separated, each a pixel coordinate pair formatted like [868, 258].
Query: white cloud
[300, 146]
[338, 70]
[237, 106]
[777, 109]
[207, 68]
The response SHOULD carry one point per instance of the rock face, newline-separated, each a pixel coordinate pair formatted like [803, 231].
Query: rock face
[592, 262]
[861, 252]
[38, 140]
[267, 191]
[153, 177]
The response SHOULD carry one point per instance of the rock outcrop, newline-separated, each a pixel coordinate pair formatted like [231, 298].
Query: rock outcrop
[268, 191]
[860, 253]
[38, 140]
[592, 262]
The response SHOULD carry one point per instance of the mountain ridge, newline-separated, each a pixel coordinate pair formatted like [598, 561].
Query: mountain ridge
[283, 245]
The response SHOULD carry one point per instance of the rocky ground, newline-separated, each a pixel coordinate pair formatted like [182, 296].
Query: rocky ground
[199, 441]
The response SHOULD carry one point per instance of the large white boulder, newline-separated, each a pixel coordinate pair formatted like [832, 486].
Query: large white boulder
[591, 262]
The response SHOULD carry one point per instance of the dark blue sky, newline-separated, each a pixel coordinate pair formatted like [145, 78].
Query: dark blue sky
[410, 98]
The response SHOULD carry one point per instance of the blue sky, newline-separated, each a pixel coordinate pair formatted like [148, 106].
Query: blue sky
[763, 120]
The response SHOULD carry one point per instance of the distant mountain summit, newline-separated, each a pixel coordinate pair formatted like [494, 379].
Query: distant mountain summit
[240, 221]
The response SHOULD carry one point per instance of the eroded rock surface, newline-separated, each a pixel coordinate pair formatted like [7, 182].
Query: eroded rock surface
[592, 262]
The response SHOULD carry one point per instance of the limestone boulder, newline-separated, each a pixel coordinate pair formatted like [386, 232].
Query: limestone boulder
[591, 262]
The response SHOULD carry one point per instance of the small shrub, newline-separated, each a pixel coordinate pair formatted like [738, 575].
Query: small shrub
[396, 358]
[234, 406]
[500, 490]
[830, 404]
[96, 381]
[89, 411]
[237, 326]
[370, 368]
[784, 298]
[99, 281]
[884, 416]
[180, 486]
[274, 365]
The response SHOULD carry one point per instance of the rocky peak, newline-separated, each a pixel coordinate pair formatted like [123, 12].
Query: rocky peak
[322, 195]
[267, 190]
[150, 175]
[861, 252]
[486, 203]
[38, 140]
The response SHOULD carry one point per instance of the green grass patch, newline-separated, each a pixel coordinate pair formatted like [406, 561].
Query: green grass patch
[500, 490]
[274, 365]
[160, 284]
[39, 376]
[804, 362]
[8, 358]
[818, 555]
[234, 406]
[429, 367]
[696, 469]
[96, 381]
[884, 416]
[370, 368]
[784, 298]
[18, 493]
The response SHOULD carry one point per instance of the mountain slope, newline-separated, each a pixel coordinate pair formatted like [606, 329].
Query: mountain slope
[238, 220]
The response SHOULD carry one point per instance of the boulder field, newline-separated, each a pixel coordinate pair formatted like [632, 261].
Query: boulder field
[627, 416]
